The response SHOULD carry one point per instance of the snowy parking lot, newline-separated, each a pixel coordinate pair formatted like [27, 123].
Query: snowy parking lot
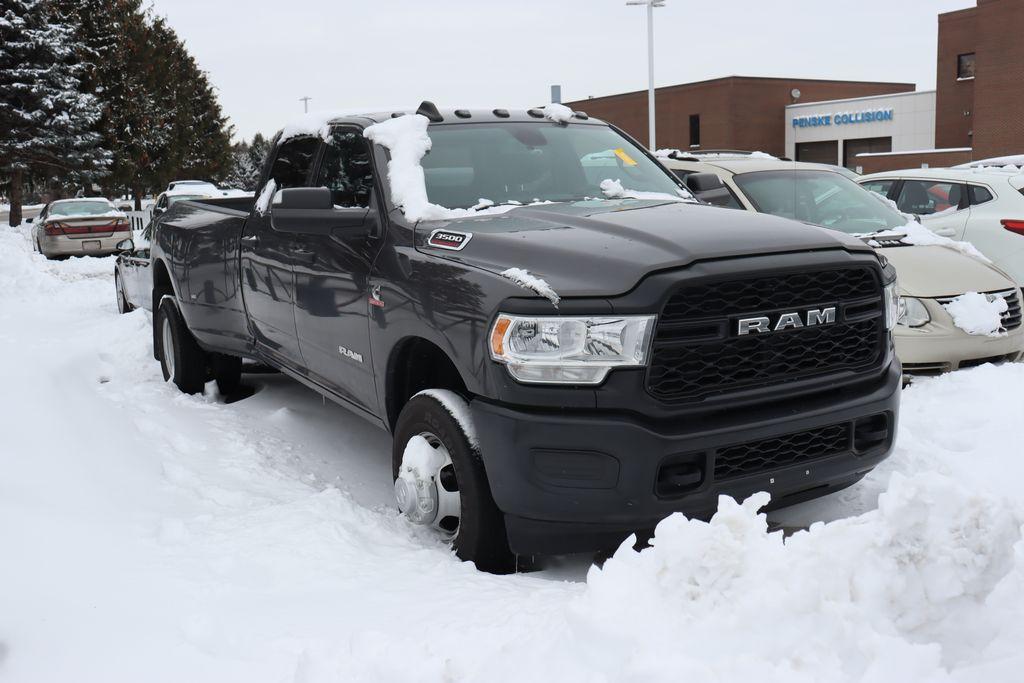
[147, 535]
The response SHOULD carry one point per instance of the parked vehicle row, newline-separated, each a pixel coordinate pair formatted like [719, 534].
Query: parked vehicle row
[927, 338]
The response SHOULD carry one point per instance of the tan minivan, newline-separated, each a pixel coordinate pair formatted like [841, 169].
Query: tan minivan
[932, 274]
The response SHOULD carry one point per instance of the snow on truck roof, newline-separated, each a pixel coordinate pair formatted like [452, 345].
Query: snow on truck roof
[318, 123]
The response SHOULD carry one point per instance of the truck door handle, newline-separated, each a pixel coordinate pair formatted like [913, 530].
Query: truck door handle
[304, 255]
[251, 240]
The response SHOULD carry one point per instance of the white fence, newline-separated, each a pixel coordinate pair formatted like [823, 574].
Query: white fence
[140, 219]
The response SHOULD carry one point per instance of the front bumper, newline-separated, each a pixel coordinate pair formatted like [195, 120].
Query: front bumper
[940, 346]
[62, 245]
[584, 480]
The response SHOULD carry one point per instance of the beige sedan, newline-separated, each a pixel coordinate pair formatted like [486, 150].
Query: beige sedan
[79, 227]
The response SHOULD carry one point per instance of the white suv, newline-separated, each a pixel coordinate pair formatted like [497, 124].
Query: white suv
[983, 206]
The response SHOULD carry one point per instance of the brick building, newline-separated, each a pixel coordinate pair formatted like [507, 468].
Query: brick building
[979, 77]
[975, 112]
[736, 112]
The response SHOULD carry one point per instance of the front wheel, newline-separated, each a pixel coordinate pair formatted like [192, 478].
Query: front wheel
[122, 300]
[181, 359]
[440, 481]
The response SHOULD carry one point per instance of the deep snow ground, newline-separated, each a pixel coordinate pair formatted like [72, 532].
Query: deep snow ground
[146, 535]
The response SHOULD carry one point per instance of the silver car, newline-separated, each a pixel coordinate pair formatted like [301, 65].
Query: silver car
[79, 227]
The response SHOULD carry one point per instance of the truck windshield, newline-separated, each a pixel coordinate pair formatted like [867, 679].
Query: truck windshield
[820, 197]
[535, 162]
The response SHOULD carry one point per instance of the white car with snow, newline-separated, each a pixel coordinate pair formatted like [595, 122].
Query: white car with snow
[984, 206]
[956, 309]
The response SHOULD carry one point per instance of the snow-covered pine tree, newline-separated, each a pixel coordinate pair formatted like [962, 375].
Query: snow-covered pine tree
[247, 163]
[46, 123]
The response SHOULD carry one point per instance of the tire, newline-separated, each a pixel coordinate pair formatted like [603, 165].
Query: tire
[122, 301]
[184, 363]
[480, 537]
[227, 371]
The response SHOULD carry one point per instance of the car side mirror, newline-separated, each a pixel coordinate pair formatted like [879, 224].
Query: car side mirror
[304, 198]
[704, 182]
[125, 245]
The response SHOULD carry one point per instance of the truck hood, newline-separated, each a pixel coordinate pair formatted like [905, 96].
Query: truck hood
[604, 248]
[938, 271]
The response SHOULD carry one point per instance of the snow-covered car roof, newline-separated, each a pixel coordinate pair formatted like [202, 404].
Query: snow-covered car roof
[990, 174]
[747, 164]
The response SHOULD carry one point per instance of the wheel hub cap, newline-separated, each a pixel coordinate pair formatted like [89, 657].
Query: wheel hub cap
[426, 489]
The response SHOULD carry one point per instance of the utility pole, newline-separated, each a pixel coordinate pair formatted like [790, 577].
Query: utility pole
[305, 103]
[651, 4]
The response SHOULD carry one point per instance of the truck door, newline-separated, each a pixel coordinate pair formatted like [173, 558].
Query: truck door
[268, 278]
[332, 289]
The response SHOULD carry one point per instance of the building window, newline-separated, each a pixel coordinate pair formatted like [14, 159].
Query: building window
[694, 130]
[965, 66]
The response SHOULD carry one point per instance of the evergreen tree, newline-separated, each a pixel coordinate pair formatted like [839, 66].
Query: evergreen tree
[47, 125]
[247, 163]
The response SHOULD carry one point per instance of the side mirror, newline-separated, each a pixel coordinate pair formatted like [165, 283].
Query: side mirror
[125, 245]
[304, 198]
[704, 182]
[29, 220]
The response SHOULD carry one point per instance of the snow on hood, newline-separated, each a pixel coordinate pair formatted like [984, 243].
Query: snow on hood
[527, 281]
[978, 314]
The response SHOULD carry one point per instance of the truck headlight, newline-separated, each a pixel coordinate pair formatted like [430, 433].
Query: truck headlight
[912, 312]
[892, 305]
[569, 350]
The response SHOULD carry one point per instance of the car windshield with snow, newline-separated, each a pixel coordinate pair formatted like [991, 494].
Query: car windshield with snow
[85, 207]
[563, 344]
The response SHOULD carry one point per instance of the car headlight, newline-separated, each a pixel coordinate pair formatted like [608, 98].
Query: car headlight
[569, 350]
[892, 305]
[912, 312]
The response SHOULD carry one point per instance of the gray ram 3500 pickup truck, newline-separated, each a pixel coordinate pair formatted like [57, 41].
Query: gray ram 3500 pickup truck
[560, 365]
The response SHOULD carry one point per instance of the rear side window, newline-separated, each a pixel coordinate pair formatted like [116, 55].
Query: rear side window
[927, 197]
[979, 194]
[294, 159]
[881, 187]
[346, 169]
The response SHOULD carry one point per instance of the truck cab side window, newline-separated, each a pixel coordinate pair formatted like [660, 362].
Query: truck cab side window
[346, 169]
[294, 159]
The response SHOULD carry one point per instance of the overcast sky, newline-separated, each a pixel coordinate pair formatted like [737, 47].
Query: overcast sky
[263, 55]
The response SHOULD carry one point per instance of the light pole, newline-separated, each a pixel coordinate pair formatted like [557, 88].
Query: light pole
[651, 4]
[305, 103]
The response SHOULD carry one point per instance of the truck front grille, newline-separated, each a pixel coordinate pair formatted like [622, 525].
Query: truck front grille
[772, 454]
[697, 352]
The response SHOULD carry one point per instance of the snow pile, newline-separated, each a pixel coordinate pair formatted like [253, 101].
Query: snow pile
[528, 281]
[612, 189]
[559, 113]
[891, 595]
[976, 313]
[919, 235]
[266, 196]
[405, 137]
[164, 538]
[313, 124]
